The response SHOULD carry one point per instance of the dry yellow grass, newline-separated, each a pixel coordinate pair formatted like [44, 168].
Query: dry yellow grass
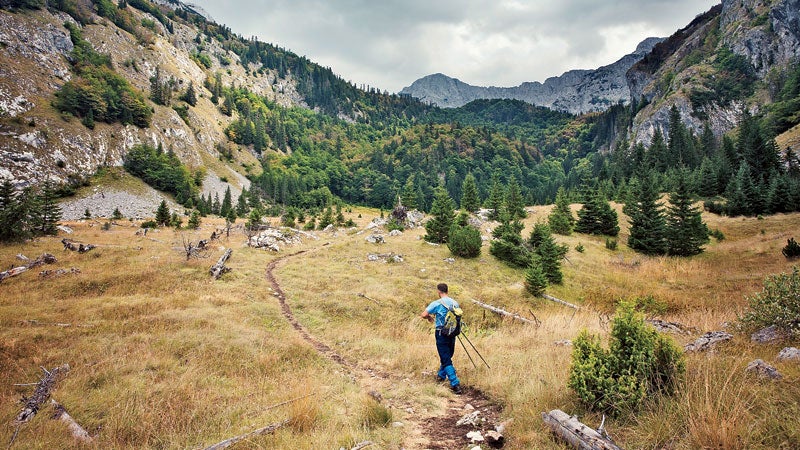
[163, 357]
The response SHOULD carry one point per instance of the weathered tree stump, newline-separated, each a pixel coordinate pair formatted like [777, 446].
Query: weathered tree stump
[46, 258]
[76, 246]
[575, 433]
[75, 429]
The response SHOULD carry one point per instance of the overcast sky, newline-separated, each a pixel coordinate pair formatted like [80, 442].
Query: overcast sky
[389, 44]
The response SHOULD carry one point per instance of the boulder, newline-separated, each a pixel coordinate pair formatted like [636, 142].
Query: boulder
[763, 370]
[375, 239]
[395, 233]
[789, 354]
[767, 335]
[708, 341]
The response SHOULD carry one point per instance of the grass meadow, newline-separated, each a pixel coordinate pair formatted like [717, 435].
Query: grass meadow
[161, 356]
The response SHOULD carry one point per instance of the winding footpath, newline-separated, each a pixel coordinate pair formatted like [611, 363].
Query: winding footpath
[424, 430]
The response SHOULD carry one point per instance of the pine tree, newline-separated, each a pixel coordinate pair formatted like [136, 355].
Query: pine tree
[241, 204]
[44, 210]
[740, 192]
[215, 207]
[513, 200]
[686, 231]
[327, 218]
[163, 215]
[708, 186]
[409, 196]
[535, 280]
[464, 240]
[13, 213]
[443, 212]
[495, 201]
[194, 220]
[561, 220]
[646, 216]
[190, 96]
[597, 217]
[227, 203]
[470, 201]
[550, 255]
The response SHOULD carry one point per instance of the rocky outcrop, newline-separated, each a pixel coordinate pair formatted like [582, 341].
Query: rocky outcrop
[766, 33]
[576, 91]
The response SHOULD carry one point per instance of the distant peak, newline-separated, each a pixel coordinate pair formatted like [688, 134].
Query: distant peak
[646, 46]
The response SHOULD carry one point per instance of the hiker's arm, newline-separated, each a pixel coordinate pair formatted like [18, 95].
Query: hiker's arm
[427, 316]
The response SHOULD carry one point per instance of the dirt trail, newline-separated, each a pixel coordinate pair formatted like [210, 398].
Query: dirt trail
[435, 430]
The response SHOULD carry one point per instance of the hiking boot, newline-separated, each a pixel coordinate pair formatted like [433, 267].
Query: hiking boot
[457, 389]
[439, 379]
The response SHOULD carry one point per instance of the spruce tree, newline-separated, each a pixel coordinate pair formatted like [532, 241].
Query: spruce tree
[646, 216]
[13, 213]
[470, 202]
[163, 215]
[194, 220]
[740, 193]
[495, 200]
[464, 240]
[686, 231]
[561, 220]
[227, 203]
[44, 210]
[550, 255]
[535, 280]
[190, 96]
[514, 203]
[443, 212]
[241, 204]
[597, 217]
[409, 196]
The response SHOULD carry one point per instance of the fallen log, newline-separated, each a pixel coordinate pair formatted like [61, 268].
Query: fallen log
[77, 431]
[559, 301]
[41, 394]
[219, 268]
[575, 433]
[269, 429]
[46, 258]
[503, 312]
[76, 246]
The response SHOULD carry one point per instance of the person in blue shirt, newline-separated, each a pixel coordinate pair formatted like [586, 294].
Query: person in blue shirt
[445, 345]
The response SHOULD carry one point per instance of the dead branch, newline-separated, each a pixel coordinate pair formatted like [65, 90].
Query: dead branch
[578, 435]
[219, 268]
[503, 312]
[289, 401]
[46, 258]
[58, 272]
[192, 250]
[269, 429]
[368, 298]
[77, 431]
[40, 395]
[361, 445]
[77, 246]
[559, 301]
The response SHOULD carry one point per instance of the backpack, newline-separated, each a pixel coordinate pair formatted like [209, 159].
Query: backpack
[452, 321]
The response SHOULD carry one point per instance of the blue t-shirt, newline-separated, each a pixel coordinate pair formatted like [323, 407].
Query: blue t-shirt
[439, 311]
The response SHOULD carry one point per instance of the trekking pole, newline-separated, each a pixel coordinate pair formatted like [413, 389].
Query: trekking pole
[476, 350]
[465, 351]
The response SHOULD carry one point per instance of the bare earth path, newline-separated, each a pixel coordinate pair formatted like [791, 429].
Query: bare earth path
[435, 429]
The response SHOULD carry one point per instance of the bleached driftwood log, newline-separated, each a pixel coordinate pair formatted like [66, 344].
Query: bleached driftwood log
[503, 312]
[265, 430]
[559, 301]
[219, 268]
[575, 433]
[43, 389]
[77, 431]
[46, 258]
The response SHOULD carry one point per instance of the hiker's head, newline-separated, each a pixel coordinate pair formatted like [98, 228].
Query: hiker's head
[442, 288]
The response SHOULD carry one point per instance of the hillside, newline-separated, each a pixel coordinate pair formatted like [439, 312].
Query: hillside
[161, 356]
[575, 91]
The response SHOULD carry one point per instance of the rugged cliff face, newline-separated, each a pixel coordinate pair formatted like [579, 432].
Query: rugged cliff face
[38, 142]
[683, 69]
[576, 91]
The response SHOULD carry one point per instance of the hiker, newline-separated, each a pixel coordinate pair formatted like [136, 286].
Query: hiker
[445, 345]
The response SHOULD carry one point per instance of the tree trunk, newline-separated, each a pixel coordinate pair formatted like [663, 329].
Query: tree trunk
[219, 268]
[46, 258]
[77, 431]
[40, 395]
[497, 310]
[575, 433]
[559, 301]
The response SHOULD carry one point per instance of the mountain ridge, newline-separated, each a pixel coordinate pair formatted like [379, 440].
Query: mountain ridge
[575, 91]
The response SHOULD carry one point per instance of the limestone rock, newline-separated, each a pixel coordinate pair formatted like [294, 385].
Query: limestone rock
[708, 341]
[375, 239]
[763, 370]
[789, 354]
[475, 437]
[767, 335]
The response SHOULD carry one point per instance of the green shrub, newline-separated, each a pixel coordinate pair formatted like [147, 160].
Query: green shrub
[792, 249]
[535, 280]
[580, 248]
[717, 234]
[464, 241]
[638, 363]
[611, 244]
[393, 224]
[778, 304]
[149, 224]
